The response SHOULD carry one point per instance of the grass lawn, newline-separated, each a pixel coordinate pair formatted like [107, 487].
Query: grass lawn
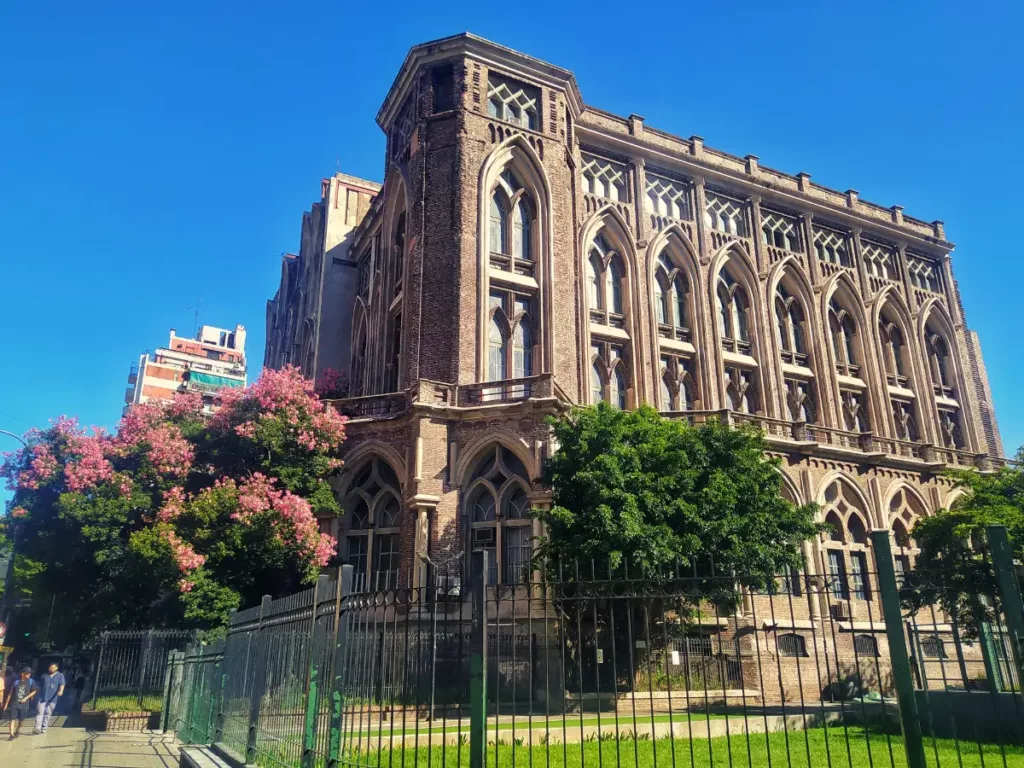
[153, 703]
[815, 748]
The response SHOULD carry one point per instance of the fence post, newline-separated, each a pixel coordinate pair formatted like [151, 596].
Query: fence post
[343, 590]
[313, 680]
[259, 683]
[989, 656]
[218, 728]
[168, 676]
[1013, 606]
[478, 661]
[99, 668]
[146, 650]
[910, 719]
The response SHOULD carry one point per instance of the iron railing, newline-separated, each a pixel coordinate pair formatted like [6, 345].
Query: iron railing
[131, 666]
[589, 664]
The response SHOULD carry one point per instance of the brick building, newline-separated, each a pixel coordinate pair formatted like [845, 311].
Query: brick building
[309, 315]
[526, 252]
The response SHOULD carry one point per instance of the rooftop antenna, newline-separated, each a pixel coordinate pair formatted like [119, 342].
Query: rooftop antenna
[196, 309]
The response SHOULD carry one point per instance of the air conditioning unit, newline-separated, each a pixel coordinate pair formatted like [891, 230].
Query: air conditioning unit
[841, 612]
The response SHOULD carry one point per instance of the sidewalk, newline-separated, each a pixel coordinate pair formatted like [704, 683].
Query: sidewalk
[69, 747]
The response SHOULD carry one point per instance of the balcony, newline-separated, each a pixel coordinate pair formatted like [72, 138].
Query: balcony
[505, 391]
[857, 446]
[383, 406]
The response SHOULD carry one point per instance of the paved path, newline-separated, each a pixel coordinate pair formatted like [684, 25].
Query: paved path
[68, 747]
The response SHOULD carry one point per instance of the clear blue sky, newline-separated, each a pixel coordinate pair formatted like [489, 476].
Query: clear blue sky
[157, 153]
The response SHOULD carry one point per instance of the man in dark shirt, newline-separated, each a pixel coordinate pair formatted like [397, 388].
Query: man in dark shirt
[51, 688]
[19, 700]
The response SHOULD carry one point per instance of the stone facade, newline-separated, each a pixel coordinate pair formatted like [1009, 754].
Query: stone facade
[528, 252]
[309, 318]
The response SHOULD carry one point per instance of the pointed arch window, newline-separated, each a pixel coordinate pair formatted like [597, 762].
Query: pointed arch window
[789, 317]
[733, 314]
[510, 226]
[903, 419]
[800, 400]
[940, 364]
[855, 415]
[671, 299]
[510, 335]
[359, 360]
[372, 527]
[607, 284]
[609, 374]
[398, 251]
[847, 541]
[893, 353]
[394, 365]
[498, 510]
[905, 509]
[844, 337]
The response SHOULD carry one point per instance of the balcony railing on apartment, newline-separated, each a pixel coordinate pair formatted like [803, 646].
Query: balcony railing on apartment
[374, 406]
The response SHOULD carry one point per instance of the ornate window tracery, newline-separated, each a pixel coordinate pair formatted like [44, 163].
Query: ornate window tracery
[725, 214]
[831, 246]
[678, 386]
[372, 527]
[497, 508]
[780, 231]
[604, 178]
[880, 260]
[924, 274]
[510, 335]
[671, 300]
[609, 374]
[513, 102]
[733, 314]
[668, 197]
[789, 315]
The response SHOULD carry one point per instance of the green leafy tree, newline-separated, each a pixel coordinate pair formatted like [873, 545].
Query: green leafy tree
[180, 517]
[953, 569]
[633, 485]
[649, 500]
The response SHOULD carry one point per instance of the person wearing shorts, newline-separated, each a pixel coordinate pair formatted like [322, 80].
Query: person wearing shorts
[19, 701]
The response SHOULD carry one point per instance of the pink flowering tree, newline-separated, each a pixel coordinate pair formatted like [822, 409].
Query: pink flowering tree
[179, 516]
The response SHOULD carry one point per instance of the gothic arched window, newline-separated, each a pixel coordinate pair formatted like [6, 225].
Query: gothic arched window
[733, 314]
[844, 334]
[671, 293]
[609, 376]
[498, 510]
[510, 226]
[893, 353]
[510, 338]
[607, 284]
[372, 527]
[789, 316]
[939, 363]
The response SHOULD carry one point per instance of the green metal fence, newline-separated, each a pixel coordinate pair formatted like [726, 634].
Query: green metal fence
[584, 665]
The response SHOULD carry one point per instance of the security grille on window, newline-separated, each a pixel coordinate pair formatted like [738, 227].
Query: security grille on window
[513, 102]
[668, 197]
[865, 645]
[780, 231]
[604, 178]
[933, 648]
[923, 274]
[792, 645]
[498, 511]
[831, 247]
[725, 214]
[880, 260]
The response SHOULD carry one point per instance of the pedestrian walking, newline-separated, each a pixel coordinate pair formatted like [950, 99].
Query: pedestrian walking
[51, 688]
[19, 700]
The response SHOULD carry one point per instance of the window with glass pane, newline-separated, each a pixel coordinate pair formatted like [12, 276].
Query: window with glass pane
[837, 575]
[517, 555]
[902, 563]
[619, 395]
[356, 557]
[859, 586]
[386, 571]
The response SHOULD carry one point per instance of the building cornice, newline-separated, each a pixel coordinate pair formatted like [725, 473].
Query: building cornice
[486, 52]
